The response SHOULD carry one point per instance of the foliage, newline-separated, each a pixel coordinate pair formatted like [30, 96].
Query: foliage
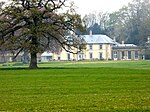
[38, 26]
[131, 23]
[96, 23]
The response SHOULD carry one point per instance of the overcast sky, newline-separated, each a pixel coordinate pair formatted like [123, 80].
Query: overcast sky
[87, 6]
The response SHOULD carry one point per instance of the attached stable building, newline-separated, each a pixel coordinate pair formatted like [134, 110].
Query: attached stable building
[126, 52]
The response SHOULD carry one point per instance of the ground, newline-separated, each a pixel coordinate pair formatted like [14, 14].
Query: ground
[87, 86]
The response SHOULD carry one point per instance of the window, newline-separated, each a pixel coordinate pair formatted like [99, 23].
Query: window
[91, 47]
[100, 47]
[115, 55]
[79, 56]
[123, 55]
[68, 56]
[100, 55]
[136, 54]
[59, 58]
[91, 55]
[129, 54]
[49, 58]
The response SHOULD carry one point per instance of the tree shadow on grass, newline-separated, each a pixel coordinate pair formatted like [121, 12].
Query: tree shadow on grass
[39, 68]
[46, 68]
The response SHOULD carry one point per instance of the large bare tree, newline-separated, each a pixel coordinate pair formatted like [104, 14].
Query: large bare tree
[38, 26]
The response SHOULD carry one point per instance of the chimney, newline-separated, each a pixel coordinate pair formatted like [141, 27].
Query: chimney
[114, 39]
[90, 33]
[122, 42]
[148, 39]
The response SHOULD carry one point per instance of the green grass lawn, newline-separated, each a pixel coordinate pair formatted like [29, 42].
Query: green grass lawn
[122, 86]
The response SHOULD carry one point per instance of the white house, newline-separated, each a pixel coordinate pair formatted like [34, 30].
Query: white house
[98, 47]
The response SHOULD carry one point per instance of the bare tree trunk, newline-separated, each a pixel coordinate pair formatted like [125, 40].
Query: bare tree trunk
[33, 61]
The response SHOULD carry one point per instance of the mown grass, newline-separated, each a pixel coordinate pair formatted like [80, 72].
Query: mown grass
[90, 64]
[77, 87]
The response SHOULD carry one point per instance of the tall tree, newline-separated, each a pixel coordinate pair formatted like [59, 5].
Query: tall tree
[117, 24]
[39, 25]
[131, 23]
[97, 22]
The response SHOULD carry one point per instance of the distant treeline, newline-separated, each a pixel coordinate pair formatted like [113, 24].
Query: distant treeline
[131, 23]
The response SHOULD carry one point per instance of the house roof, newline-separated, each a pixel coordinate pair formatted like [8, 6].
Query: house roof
[126, 45]
[98, 39]
[47, 54]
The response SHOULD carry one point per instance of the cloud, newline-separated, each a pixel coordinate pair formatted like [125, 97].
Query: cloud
[86, 6]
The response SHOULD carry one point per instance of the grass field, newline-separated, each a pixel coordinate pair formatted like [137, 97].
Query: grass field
[99, 86]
